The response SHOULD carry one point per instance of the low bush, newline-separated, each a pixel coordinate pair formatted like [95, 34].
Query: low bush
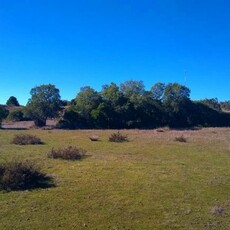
[26, 139]
[16, 115]
[118, 137]
[18, 175]
[68, 153]
[181, 139]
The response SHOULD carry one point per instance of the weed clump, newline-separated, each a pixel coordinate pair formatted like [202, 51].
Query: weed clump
[26, 139]
[181, 139]
[68, 153]
[18, 175]
[118, 137]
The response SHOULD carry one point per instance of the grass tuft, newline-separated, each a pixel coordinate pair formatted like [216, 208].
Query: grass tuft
[68, 153]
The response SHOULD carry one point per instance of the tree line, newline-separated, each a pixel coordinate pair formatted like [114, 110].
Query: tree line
[117, 107]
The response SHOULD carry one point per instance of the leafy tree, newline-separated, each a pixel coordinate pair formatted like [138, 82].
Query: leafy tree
[12, 101]
[113, 109]
[16, 115]
[212, 103]
[225, 105]
[176, 102]
[157, 91]
[3, 114]
[132, 88]
[86, 101]
[43, 104]
[71, 119]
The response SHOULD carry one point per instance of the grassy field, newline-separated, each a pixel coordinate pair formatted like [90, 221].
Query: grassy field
[150, 182]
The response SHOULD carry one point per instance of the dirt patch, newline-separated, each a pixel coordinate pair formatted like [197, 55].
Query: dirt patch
[25, 124]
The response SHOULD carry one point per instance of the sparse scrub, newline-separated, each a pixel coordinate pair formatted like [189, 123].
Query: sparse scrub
[118, 137]
[18, 175]
[68, 153]
[26, 139]
[181, 139]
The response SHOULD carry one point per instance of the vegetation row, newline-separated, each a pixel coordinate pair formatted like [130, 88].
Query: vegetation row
[116, 107]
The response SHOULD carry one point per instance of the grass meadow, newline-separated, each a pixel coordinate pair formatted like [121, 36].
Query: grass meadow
[149, 182]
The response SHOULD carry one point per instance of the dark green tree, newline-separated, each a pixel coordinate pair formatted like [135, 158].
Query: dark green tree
[16, 115]
[43, 104]
[176, 102]
[86, 101]
[12, 101]
[3, 114]
[212, 103]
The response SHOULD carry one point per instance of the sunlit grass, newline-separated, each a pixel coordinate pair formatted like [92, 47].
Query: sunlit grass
[150, 182]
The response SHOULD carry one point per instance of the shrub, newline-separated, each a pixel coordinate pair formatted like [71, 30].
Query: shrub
[68, 153]
[16, 115]
[26, 139]
[181, 139]
[18, 175]
[118, 137]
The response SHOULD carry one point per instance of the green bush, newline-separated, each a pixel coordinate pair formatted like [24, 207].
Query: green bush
[16, 115]
[26, 139]
[68, 153]
[18, 175]
[118, 137]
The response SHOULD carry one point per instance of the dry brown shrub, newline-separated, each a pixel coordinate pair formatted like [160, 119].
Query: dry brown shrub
[68, 153]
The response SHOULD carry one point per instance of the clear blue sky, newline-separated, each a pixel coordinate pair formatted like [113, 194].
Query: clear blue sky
[75, 43]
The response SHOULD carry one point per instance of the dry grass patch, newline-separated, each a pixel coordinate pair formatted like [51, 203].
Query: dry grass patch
[217, 210]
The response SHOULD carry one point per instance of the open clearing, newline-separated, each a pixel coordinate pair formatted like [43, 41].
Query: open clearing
[150, 182]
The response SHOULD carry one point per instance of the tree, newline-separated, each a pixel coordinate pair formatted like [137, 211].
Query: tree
[212, 103]
[86, 101]
[12, 101]
[3, 114]
[16, 115]
[112, 111]
[132, 88]
[176, 104]
[44, 103]
[157, 91]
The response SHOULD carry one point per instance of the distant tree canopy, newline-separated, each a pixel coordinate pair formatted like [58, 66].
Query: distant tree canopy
[225, 105]
[44, 103]
[131, 106]
[127, 105]
[12, 101]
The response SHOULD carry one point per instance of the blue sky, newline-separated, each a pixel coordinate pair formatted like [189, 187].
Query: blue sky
[75, 43]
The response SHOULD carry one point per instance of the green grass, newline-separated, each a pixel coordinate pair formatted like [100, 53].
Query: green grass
[150, 182]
